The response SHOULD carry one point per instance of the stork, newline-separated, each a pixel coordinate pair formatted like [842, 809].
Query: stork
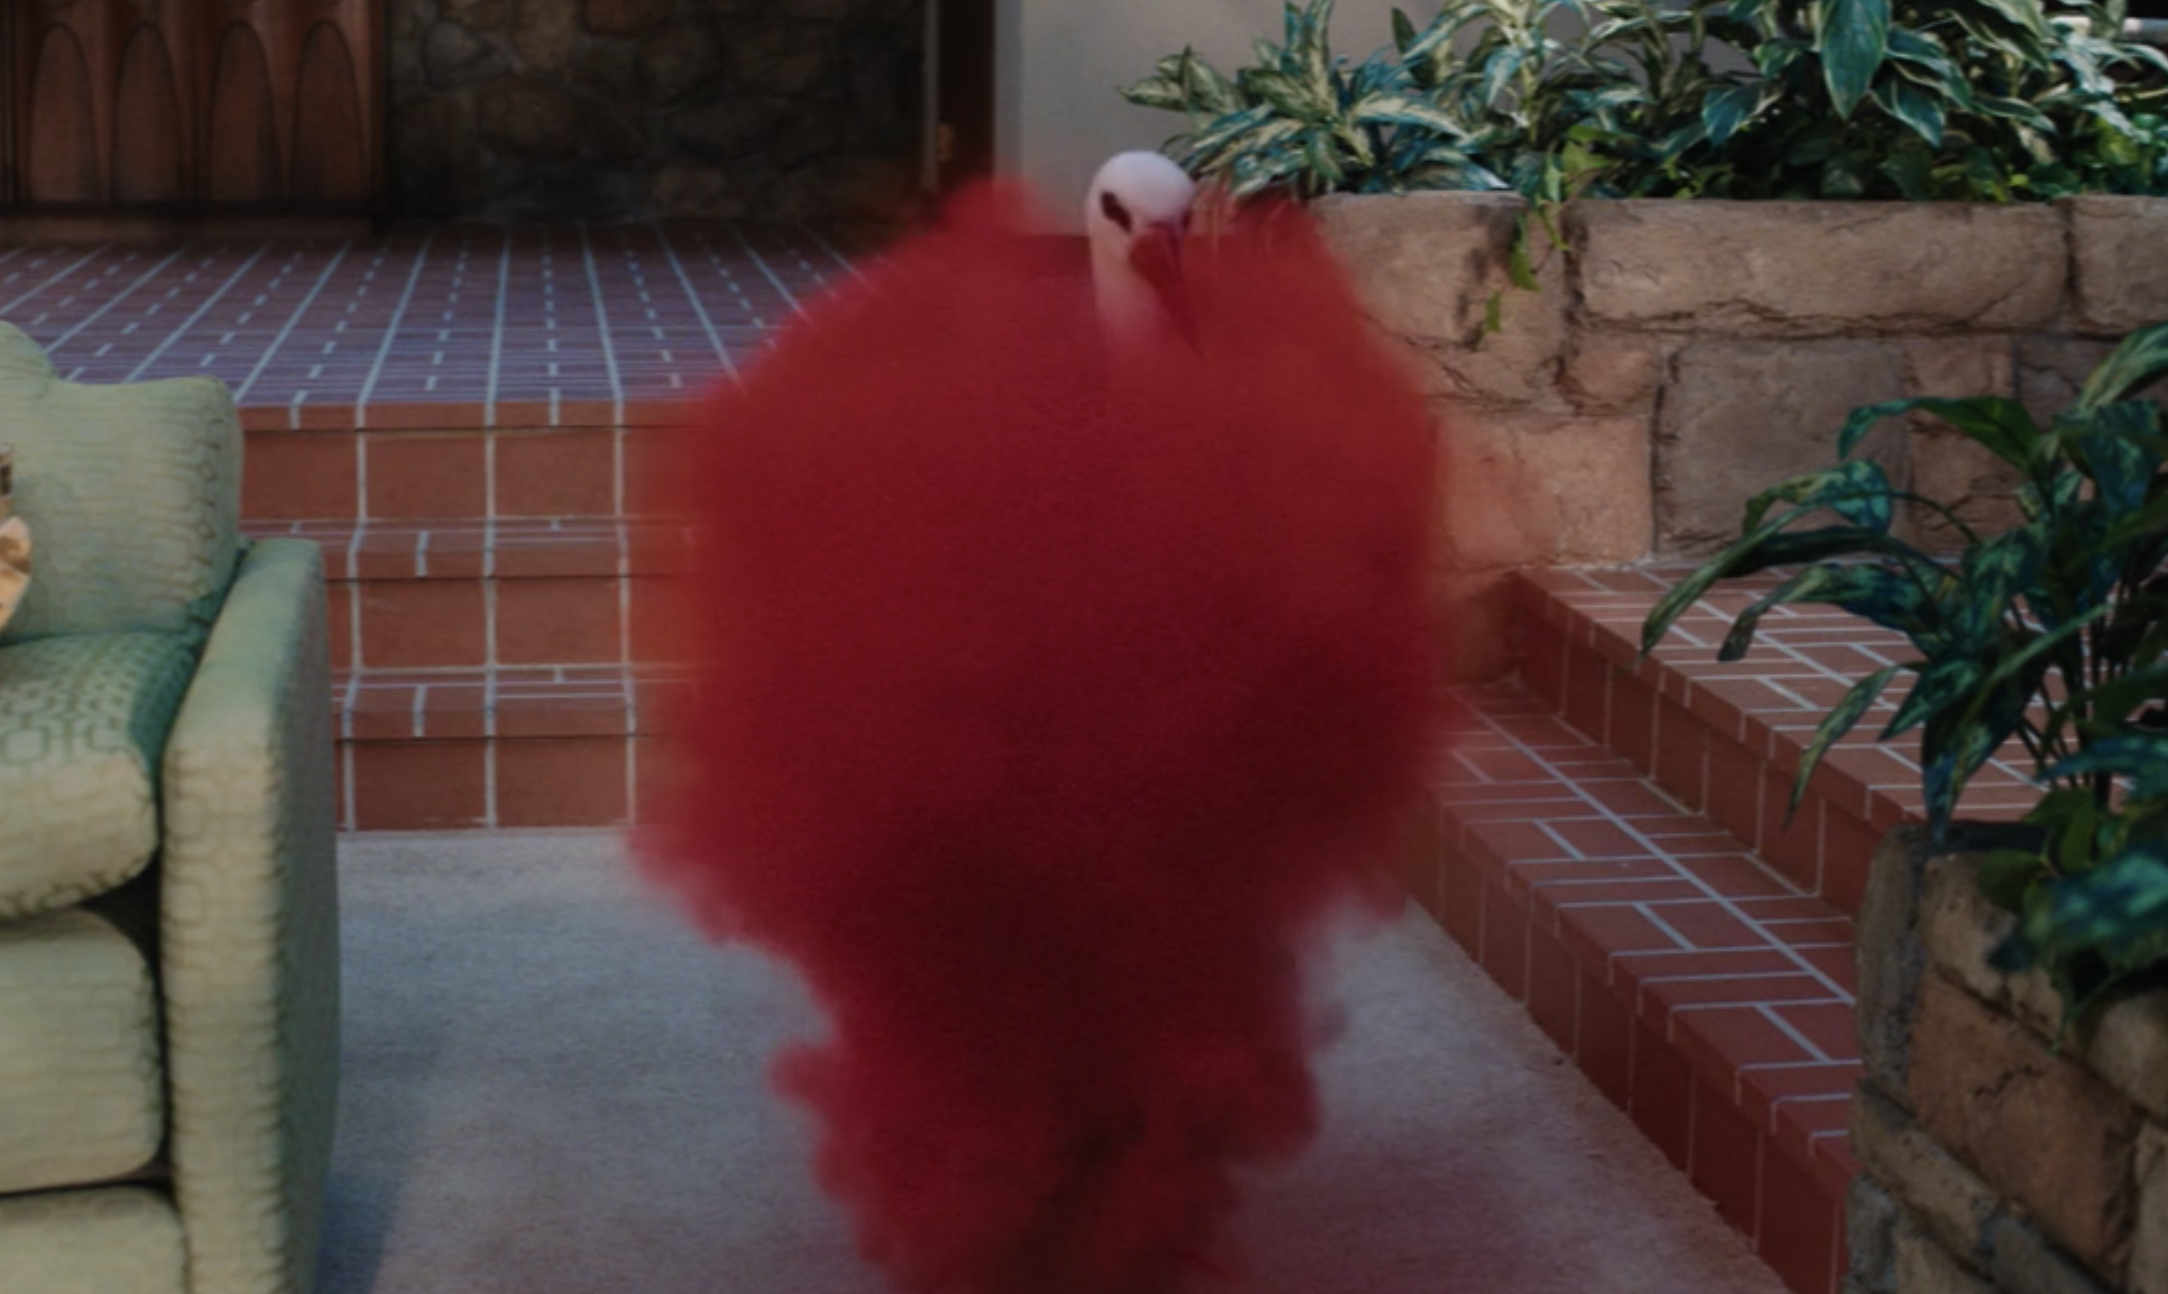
[1048, 706]
[1136, 215]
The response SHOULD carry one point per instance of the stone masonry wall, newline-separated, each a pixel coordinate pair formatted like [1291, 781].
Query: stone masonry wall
[1991, 1161]
[1680, 357]
[640, 109]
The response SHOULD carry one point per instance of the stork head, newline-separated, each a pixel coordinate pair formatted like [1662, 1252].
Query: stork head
[1136, 215]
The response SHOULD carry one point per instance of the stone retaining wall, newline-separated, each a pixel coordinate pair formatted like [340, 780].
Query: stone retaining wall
[1682, 356]
[1991, 1161]
[640, 109]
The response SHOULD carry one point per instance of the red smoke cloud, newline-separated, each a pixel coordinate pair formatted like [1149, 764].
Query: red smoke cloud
[1052, 707]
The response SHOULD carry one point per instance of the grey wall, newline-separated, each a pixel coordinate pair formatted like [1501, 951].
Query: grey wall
[624, 109]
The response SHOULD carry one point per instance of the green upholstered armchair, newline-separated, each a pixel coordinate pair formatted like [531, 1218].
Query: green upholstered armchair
[168, 915]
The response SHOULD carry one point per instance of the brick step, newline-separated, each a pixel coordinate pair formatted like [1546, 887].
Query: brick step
[451, 463]
[469, 594]
[483, 668]
[510, 746]
[1725, 738]
[1704, 993]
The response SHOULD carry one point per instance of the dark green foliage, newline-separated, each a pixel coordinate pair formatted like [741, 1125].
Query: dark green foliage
[1981, 100]
[2054, 633]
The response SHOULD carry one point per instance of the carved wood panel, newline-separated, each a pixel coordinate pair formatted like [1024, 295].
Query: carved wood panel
[256, 105]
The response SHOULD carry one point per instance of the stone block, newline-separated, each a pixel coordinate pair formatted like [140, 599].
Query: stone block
[1742, 416]
[1481, 623]
[725, 128]
[1943, 1197]
[1547, 489]
[2051, 370]
[782, 60]
[1870, 1222]
[1923, 1268]
[1808, 269]
[626, 17]
[453, 55]
[404, 32]
[482, 15]
[2126, 1043]
[1959, 367]
[2149, 1251]
[679, 63]
[684, 190]
[1612, 372]
[546, 34]
[2036, 1126]
[537, 121]
[1891, 958]
[441, 162]
[1961, 929]
[1425, 264]
[1975, 485]
[2022, 1261]
[2119, 269]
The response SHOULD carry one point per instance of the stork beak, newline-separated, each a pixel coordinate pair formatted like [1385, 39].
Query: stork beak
[1156, 256]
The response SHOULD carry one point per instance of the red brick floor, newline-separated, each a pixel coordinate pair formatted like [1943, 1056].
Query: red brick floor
[449, 326]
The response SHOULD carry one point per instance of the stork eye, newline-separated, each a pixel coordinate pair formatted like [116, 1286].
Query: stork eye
[1112, 208]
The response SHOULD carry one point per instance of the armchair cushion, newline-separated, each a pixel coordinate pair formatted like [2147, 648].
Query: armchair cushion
[81, 1090]
[83, 725]
[91, 1242]
[133, 492]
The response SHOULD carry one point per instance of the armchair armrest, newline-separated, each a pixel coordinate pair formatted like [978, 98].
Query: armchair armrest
[249, 931]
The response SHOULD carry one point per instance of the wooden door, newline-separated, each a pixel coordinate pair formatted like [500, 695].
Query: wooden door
[256, 106]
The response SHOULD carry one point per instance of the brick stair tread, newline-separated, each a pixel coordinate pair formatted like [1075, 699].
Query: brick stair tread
[506, 702]
[1804, 659]
[469, 549]
[1588, 880]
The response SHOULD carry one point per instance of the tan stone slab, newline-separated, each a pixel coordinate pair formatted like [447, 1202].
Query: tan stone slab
[2128, 1046]
[2036, 1126]
[1945, 1198]
[2149, 1253]
[1804, 269]
[1428, 266]
[1923, 1268]
[1423, 263]
[1535, 488]
[1741, 416]
[2121, 270]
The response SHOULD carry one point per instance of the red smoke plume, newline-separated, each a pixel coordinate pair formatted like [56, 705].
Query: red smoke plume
[1054, 703]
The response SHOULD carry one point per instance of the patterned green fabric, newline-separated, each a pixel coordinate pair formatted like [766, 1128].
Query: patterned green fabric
[123, 1240]
[82, 722]
[133, 492]
[81, 1098]
[250, 932]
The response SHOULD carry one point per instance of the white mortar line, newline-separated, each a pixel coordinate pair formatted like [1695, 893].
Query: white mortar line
[692, 295]
[71, 268]
[174, 336]
[761, 263]
[391, 330]
[286, 330]
[602, 329]
[115, 300]
[1656, 851]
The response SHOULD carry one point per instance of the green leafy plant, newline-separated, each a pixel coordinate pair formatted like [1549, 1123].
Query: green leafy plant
[2053, 633]
[1920, 99]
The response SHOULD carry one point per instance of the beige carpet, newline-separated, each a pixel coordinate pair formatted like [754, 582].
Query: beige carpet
[553, 1086]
